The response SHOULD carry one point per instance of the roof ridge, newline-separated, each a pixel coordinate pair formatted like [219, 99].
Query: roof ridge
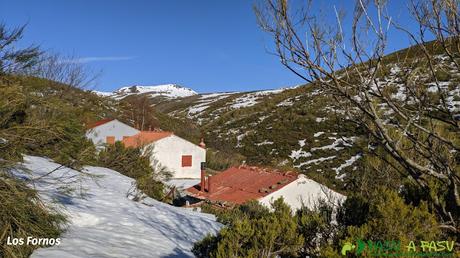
[100, 122]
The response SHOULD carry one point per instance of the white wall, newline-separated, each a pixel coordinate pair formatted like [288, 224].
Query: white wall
[113, 128]
[169, 150]
[303, 190]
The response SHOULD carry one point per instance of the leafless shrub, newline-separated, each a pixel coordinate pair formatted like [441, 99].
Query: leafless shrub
[416, 125]
[14, 59]
[66, 70]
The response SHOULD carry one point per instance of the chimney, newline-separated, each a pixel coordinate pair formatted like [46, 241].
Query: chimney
[203, 176]
[209, 184]
[203, 180]
[202, 144]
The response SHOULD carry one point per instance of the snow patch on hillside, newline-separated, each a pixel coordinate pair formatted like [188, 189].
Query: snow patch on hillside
[318, 134]
[314, 161]
[337, 144]
[251, 99]
[300, 153]
[297, 154]
[205, 101]
[217, 96]
[103, 93]
[266, 142]
[347, 163]
[105, 222]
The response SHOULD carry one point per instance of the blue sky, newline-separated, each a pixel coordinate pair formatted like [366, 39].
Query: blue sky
[205, 45]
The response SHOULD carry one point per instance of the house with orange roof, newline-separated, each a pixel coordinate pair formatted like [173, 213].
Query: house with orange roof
[108, 131]
[177, 155]
[238, 185]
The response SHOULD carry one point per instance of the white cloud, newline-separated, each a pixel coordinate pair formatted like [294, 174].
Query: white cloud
[89, 59]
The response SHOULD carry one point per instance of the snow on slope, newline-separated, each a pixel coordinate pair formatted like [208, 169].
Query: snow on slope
[104, 222]
[103, 93]
[205, 101]
[168, 90]
[251, 99]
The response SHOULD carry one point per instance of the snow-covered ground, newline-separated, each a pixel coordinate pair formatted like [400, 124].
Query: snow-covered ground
[183, 183]
[103, 93]
[105, 222]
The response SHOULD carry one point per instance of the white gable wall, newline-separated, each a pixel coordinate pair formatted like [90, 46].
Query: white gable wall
[169, 150]
[114, 128]
[303, 190]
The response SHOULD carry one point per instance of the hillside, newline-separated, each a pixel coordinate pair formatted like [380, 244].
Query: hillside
[105, 222]
[301, 127]
[286, 128]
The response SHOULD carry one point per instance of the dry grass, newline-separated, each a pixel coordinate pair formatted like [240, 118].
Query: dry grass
[22, 214]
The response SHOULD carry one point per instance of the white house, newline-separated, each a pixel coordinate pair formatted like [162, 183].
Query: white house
[108, 131]
[238, 185]
[179, 156]
[303, 191]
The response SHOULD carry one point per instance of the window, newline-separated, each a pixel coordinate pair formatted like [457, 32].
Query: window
[186, 160]
[110, 139]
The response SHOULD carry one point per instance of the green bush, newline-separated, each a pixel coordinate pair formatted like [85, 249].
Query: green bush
[221, 160]
[347, 215]
[251, 230]
[151, 187]
[316, 227]
[128, 161]
[35, 124]
[392, 218]
[442, 75]
[385, 217]
[254, 231]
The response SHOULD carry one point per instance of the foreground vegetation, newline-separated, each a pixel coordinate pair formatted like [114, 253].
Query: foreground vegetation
[402, 108]
[253, 230]
[22, 214]
[406, 134]
[43, 112]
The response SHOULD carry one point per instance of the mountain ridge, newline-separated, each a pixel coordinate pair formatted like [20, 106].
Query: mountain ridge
[170, 91]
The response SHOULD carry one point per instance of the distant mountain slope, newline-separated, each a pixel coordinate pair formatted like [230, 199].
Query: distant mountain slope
[207, 107]
[303, 127]
[296, 128]
[105, 222]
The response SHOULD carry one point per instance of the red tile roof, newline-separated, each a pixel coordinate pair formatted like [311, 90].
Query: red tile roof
[100, 122]
[144, 138]
[244, 183]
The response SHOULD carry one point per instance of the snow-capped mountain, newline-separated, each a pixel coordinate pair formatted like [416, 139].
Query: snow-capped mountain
[167, 90]
[170, 91]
